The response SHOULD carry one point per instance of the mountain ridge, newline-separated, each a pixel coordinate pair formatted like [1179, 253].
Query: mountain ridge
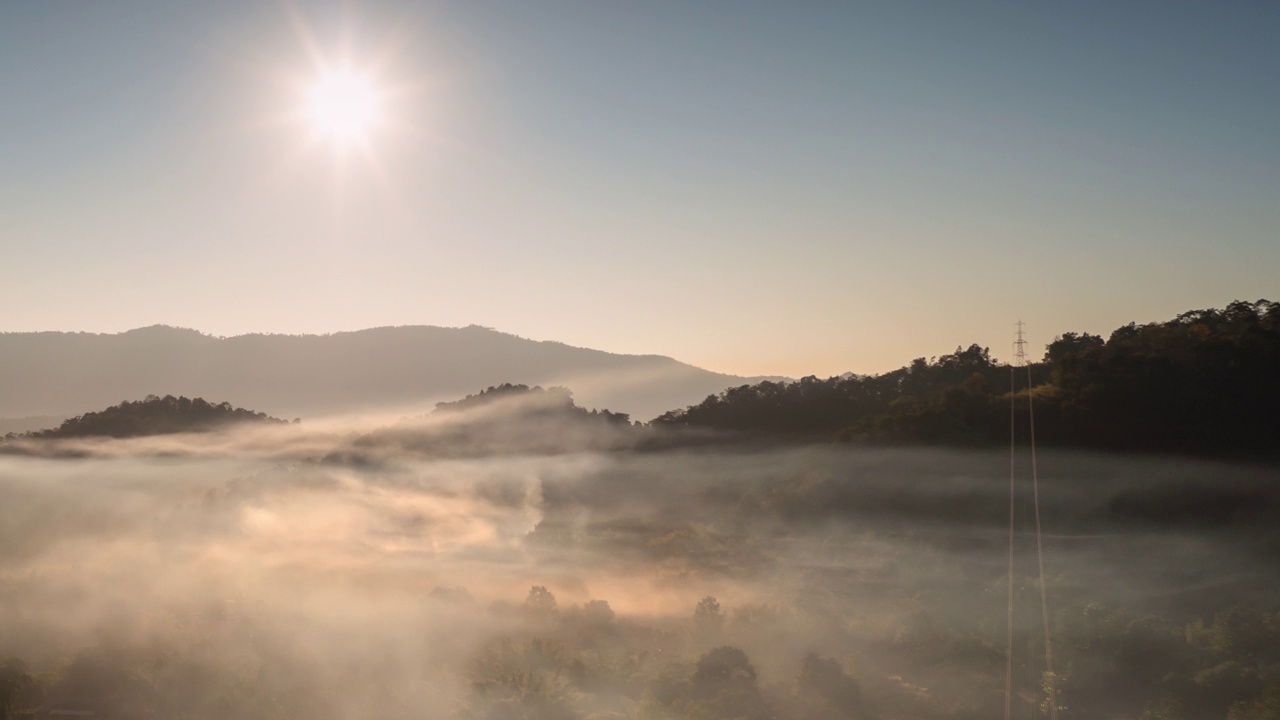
[49, 373]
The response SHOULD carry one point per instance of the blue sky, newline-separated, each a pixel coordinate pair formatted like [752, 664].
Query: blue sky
[758, 188]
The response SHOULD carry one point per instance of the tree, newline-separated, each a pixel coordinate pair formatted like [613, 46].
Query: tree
[707, 617]
[540, 602]
[15, 682]
[597, 613]
[827, 691]
[1071, 344]
[724, 685]
[723, 666]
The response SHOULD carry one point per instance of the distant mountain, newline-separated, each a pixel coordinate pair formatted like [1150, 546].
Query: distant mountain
[403, 368]
[27, 424]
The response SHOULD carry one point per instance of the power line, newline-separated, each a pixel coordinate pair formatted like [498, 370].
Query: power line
[1044, 598]
[1013, 429]
[1020, 360]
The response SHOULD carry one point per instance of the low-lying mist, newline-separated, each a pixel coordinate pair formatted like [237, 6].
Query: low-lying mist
[339, 571]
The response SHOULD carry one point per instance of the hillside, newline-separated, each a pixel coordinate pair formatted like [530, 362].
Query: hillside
[155, 416]
[502, 420]
[401, 368]
[1203, 383]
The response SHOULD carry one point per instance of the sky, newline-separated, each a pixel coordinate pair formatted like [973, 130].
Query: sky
[801, 188]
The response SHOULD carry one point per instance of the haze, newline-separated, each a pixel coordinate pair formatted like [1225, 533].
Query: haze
[270, 573]
[755, 189]
[570, 360]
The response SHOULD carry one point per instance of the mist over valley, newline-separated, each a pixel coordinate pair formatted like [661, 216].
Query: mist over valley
[514, 554]
[441, 360]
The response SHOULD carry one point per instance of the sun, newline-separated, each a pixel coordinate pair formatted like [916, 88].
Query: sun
[343, 106]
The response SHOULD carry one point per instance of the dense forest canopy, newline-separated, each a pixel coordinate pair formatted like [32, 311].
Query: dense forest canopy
[154, 415]
[1205, 382]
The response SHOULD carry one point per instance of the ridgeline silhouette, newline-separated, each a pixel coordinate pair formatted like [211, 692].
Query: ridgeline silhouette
[1206, 382]
[409, 368]
[500, 420]
[535, 401]
[154, 416]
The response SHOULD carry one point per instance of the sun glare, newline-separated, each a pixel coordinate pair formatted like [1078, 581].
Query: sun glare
[343, 106]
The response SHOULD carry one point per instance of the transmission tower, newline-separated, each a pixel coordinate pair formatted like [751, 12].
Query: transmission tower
[1020, 347]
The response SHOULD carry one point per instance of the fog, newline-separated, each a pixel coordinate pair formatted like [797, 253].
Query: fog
[272, 573]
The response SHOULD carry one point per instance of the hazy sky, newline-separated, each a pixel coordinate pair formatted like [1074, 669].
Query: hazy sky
[784, 188]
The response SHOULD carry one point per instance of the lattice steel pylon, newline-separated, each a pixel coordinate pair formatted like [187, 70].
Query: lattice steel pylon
[1020, 348]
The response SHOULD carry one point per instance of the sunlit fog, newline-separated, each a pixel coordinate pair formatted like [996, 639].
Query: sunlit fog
[460, 360]
[473, 563]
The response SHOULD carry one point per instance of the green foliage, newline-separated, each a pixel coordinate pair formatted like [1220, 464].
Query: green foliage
[525, 681]
[584, 663]
[1122, 665]
[1205, 383]
[944, 399]
[1246, 634]
[1265, 705]
[1071, 344]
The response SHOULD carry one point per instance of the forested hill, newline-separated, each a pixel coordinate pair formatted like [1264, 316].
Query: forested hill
[1206, 382]
[155, 416]
[521, 401]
